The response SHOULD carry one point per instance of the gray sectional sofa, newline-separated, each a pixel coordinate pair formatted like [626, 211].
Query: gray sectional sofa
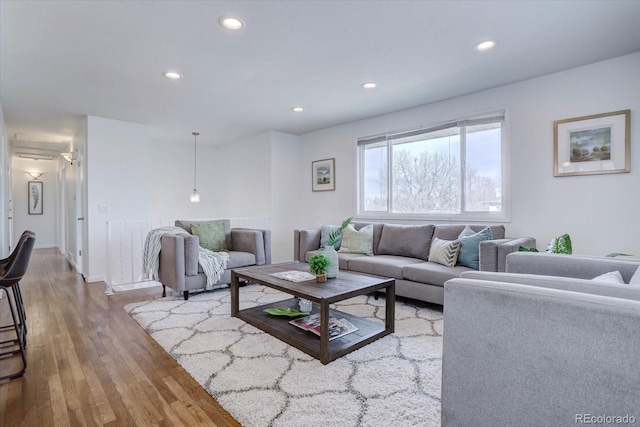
[179, 268]
[543, 342]
[402, 252]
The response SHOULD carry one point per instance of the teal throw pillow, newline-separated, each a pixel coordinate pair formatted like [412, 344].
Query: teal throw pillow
[444, 252]
[560, 245]
[211, 235]
[469, 255]
[325, 231]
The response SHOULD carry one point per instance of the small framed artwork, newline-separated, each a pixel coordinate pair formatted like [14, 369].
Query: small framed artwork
[323, 175]
[592, 144]
[35, 197]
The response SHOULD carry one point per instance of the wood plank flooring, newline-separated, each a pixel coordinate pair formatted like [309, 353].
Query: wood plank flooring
[90, 364]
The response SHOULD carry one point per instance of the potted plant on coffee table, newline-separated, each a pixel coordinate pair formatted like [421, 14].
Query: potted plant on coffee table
[318, 265]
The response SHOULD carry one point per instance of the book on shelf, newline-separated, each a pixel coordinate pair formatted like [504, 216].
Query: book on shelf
[337, 327]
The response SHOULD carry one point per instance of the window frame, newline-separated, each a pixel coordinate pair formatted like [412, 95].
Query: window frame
[504, 215]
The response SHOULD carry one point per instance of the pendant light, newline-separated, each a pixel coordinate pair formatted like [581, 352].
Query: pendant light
[195, 196]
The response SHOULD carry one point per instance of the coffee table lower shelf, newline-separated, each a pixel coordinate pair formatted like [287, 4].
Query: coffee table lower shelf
[306, 341]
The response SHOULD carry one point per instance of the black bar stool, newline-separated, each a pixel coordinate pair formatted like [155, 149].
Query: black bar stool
[12, 272]
[16, 289]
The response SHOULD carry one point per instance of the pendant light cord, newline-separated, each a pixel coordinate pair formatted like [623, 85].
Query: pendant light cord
[195, 157]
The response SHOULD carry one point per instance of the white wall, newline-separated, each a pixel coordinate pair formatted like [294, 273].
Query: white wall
[5, 190]
[70, 194]
[171, 181]
[116, 164]
[61, 208]
[600, 212]
[251, 178]
[43, 225]
[242, 180]
[285, 170]
[233, 180]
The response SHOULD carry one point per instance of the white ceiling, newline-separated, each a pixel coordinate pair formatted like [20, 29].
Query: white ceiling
[61, 60]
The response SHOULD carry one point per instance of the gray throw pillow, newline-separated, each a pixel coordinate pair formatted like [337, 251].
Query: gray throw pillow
[406, 240]
[325, 231]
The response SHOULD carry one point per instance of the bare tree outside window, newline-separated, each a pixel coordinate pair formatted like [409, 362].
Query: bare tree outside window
[483, 181]
[428, 182]
[425, 171]
[375, 185]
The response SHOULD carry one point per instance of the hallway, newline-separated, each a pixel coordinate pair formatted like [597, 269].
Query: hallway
[89, 363]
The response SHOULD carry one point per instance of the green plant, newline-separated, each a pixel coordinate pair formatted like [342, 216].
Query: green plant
[319, 263]
[560, 245]
[335, 235]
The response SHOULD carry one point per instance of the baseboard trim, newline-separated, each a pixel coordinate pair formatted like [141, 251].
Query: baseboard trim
[45, 246]
[72, 262]
[92, 279]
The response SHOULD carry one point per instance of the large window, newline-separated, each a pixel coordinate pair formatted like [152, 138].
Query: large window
[452, 170]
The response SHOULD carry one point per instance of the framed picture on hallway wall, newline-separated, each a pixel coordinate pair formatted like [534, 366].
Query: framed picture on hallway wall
[35, 196]
[323, 176]
[592, 144]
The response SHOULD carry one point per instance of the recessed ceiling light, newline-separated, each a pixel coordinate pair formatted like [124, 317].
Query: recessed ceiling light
[172, 75]
[485, 45]
[231, 23]
[297, 109]
[369, 85]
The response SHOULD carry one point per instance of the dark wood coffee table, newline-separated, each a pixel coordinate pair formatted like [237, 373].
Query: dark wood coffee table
[346, 285]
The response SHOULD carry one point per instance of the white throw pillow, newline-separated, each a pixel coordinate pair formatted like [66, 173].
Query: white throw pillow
[444, 252]
[610, 277]
[357, 241]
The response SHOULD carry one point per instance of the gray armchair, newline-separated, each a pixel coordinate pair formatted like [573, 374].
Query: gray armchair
[522, 348]
[576, 266]
[179, 268]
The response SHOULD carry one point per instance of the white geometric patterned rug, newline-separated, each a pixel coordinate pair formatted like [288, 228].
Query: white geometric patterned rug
[261, 381]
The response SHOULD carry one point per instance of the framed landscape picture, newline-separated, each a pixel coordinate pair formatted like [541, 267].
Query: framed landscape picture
[592, 144]
[34, 196]
[323, 176]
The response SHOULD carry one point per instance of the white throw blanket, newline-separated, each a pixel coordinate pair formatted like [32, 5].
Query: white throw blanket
[213, 263]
